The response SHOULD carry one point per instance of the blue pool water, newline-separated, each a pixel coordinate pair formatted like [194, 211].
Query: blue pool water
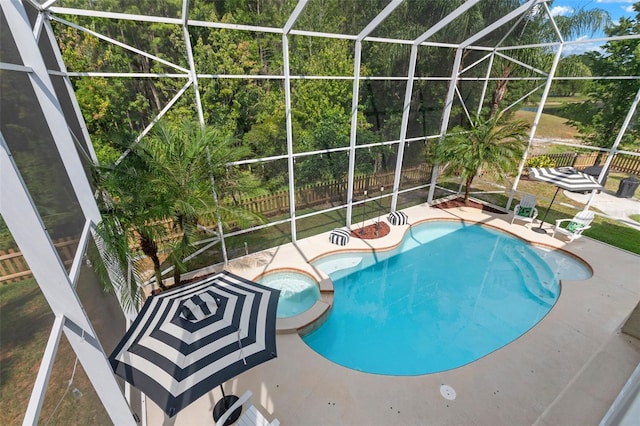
[450, 294]
[298, 292]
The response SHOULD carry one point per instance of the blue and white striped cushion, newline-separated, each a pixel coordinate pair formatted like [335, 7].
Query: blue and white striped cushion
[339, 236]
[398, 218]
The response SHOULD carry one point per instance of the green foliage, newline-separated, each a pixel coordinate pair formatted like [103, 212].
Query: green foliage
[166, 179]
[540, 161]
[230, 103]
[600, 118]
[534, 29]
[6, 239]
[571, 66]
[118, 109]
[489, 146]
[253, 109]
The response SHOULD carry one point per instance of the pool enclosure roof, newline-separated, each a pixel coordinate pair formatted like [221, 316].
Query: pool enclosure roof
[36, 78]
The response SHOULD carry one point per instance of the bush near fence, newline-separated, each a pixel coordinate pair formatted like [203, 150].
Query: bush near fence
[622, 163]
[13, 267]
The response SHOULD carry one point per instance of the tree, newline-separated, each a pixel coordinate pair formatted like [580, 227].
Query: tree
[166, 179]
[600, 118]
[490, 146]
[571, 66]
[128, 226]
[536, 28]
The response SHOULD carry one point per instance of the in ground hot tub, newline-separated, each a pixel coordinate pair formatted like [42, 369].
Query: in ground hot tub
[298, 291]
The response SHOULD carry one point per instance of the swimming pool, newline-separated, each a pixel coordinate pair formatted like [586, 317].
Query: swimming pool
[298, 292]
[449, 295]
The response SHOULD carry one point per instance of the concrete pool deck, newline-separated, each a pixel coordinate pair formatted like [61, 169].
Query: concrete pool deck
[567, 370]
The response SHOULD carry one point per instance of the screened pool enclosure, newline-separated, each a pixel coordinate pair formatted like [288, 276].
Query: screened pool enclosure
[337, 103]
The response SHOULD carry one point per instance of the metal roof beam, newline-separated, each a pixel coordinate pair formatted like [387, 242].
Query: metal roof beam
[479, 61]
[185, 12]
[553, 22]
[522, 64]
[500, 22]
[373, 24]
[294, 16]
[288, 120]
[118, 43]
[446, 21]
[355, 97]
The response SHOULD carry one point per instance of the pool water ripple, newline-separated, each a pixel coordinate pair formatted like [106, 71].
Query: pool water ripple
[298, 292]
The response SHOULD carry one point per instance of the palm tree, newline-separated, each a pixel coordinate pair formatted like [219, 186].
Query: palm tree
[181, 161]
[167, 179]
[488, 145]
[536, 28]
[128, 226]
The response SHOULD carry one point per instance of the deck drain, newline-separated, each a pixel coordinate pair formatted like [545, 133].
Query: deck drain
[448, 392]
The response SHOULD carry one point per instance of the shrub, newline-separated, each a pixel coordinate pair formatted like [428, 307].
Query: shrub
[540, 161]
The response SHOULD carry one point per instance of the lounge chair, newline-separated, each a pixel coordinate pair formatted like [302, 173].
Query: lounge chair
[250, 415]
[575, 226]
[525, 211]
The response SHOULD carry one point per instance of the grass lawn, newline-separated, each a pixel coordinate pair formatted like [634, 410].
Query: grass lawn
[281, 234]
[550, 126]
[559, 100]
[25, 324]
[603, 229]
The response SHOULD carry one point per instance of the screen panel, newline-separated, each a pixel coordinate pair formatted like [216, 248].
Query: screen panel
[27, 134]
[8, 49]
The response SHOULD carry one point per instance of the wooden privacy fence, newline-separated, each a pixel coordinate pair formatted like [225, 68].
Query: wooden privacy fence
[13, 267]
[621, 163]
[626, 164]
[333, 191]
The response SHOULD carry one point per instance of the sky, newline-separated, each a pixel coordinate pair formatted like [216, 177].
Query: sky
[616, 9]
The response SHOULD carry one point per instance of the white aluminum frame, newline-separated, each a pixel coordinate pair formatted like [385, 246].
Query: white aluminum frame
[28, 231]
[30, 234]
[355, 100]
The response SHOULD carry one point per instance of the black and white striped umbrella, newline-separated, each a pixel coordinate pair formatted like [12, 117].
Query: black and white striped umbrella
[188, 340]
[563, 177]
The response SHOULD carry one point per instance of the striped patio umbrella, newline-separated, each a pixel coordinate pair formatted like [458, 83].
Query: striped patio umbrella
[188, 340]
[563, 177]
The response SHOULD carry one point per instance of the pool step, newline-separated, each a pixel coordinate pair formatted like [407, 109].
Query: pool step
[530, 266]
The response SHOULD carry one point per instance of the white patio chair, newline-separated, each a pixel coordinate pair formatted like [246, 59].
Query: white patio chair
[525, 211]
[250, 415]
[575, 226]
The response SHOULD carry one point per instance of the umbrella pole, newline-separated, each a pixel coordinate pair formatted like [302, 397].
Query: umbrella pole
[224, 397]
[539, 229]
[223, 405]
